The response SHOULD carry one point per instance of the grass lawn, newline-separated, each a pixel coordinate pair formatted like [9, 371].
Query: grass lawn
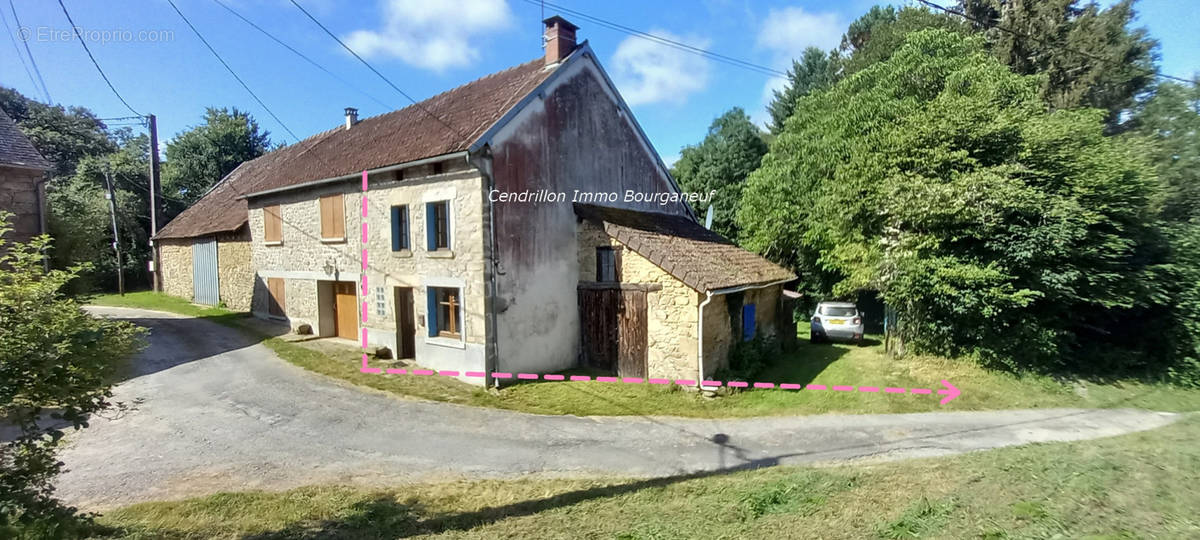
[1141, 485]
[837, 364]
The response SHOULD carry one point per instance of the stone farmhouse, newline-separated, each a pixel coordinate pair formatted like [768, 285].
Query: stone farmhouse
[480, 256]
[22, 182]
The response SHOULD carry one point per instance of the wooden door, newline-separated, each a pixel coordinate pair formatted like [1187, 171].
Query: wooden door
[406, 325]
[613, 325]
[276, 301]
[345, 309]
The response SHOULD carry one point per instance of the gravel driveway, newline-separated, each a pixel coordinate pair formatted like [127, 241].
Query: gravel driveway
[215, 412]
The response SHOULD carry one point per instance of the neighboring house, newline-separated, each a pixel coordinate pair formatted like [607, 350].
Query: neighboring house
[458, 279]
[22, 176]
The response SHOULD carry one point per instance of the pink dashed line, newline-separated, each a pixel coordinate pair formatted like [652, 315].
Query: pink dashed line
[475, 374]
[738, 384]
[789, 386]
[448, 373]
[364, 231]
[364, 258]
[921, 391]
[892, 390]
[843, 389]
[502, 375]
[659, 381]
[868, 389]
[553, 377]
[608, 379]
[528, 376]
[764, 385]
[710, 383]
[815, 387]
[422, 372]
[632, 380]
[580, 378]
[364, 333]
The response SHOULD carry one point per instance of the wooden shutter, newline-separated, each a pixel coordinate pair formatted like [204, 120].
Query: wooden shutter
[272, 224]
[276, 302]
[333, 218]
[431, 310]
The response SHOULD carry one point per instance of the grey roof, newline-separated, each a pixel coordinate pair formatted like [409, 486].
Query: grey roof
[15, 148]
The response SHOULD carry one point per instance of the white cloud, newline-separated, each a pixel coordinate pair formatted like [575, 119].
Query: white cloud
[649, 72]
[786, 33]
[432, 34]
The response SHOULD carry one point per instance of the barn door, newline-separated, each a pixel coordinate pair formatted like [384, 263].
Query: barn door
[613, 330]
[205, 289]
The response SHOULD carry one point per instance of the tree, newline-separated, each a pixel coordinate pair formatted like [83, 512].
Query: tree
[63, 136]
[876, 35]
[55, 360]
[995, 227]
[1090, 57]
[814, 71]
[730, 151]
[1171, 118]
[201, 156]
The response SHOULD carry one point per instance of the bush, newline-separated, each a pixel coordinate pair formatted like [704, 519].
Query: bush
[748, 359]
[55, 361]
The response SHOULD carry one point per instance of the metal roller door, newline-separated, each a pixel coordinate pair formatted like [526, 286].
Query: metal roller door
[204, 272]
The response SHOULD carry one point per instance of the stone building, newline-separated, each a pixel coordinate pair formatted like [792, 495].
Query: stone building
[22, 188]
[463, 250]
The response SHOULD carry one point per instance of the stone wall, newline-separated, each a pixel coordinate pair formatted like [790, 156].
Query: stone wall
[718, 334]
[18, 195]
[308, 263]
[672, 310]
[235, 276]
[176, 260]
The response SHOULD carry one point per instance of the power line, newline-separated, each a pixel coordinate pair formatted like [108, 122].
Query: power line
[372, 68]
[1092, 56]
[302, 55]
[82, 42]
[17, 49]
[230, 69]
[32, 60]
[758, 68]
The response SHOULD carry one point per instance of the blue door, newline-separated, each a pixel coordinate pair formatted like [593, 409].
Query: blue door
[205, 289]
[748, 322]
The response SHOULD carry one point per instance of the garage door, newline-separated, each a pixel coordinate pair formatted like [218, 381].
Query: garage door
[204, 272]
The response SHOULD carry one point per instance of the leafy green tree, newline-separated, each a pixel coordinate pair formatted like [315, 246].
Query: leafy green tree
[56, 362]
[1171, 118]
[815, 70]
[876, 35]
[939, 178]
[201, 156]
[62, 135]
[731, 150]
[1090, 56]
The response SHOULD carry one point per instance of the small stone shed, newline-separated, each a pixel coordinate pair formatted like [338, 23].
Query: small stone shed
[660, 296]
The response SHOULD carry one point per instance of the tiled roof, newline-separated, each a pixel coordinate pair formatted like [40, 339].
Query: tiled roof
[702, 259]
[399, 136]
[15, 148]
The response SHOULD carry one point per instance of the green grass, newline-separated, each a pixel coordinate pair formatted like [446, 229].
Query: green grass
[836, 364]
[1140, 485]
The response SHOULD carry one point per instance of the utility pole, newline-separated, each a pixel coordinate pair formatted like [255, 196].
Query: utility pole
[112, 211]
[155, 195]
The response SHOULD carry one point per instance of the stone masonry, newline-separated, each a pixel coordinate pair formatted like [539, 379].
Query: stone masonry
[176, 260]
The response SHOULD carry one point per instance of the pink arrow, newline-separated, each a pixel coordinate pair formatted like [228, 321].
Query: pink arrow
[950, 392]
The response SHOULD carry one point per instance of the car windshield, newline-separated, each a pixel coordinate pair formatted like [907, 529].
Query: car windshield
[838, 311]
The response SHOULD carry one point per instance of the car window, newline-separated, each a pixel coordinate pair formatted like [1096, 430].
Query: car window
[836, 311]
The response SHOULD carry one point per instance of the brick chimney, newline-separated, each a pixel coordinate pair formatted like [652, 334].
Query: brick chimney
[351, 117]
[559, 39]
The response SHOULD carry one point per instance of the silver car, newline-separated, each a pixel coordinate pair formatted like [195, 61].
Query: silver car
[836, 320]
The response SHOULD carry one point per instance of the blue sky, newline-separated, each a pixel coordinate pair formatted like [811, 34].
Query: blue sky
[427, 46]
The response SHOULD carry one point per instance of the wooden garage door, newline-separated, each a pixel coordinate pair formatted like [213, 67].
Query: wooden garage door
[205, 289]
[613, 324]
[346, 306]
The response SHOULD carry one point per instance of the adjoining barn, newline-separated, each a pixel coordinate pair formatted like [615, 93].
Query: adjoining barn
[22, 177]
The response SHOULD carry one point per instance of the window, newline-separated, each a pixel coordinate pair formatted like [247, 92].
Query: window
[437, 225]
[272, 224]
[608, 264]
[380, 302]
[275, 300]
[333, 219]
[400, 228]
[445, 308]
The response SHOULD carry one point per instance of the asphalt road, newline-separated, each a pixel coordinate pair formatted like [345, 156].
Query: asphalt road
[212, 411]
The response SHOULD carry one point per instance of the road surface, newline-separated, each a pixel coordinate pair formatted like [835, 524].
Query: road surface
[213, 411]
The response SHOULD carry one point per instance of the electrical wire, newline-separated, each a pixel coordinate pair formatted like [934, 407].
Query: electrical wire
[17, 48]
[32, 60]
[82, 42]
[230, 69]
[302, 55]
[1086, 54]
[372, 68]
[758, 68]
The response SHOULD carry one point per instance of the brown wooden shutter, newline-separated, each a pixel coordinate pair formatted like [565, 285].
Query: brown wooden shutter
[276, 302]
[333, 218]
[272, 224]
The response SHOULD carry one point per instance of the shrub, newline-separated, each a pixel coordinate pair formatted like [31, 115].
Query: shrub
[55, 361]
